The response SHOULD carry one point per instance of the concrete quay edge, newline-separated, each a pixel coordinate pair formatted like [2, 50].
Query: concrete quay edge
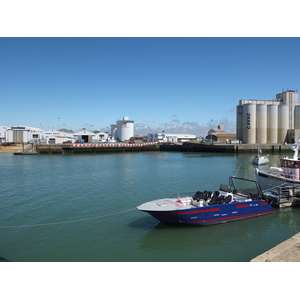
[287, 251]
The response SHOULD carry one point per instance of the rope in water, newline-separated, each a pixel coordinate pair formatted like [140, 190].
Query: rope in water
[66, 222]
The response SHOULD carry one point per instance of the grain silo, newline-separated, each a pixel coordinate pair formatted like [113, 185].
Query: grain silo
[249, 123]
[297, 117]
[272, 131]
[239, 122]
[283, 122]
[261, 119]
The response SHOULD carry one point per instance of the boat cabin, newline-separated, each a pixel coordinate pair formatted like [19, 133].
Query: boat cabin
[290, 168]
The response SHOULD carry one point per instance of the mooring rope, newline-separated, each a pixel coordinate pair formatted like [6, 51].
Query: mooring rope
[66, 222]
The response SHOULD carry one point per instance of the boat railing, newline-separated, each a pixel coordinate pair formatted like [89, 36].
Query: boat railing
[181, 195]
[285, 175]
[290, 176]
[281, 174]
[183, 198]
[284, 193]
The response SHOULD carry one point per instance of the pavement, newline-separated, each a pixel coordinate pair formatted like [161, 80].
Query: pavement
[287, 251]
[11, 148]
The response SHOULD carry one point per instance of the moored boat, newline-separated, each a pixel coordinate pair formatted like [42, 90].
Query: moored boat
[260, 160]
[229, 203]
[287, 173]
[25, 153]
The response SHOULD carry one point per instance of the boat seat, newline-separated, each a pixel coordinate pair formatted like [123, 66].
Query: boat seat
[254, 196]
[215, 195]
[228, 199]
[221, 199]
[214, 198]
[198, 196]
[207, 195]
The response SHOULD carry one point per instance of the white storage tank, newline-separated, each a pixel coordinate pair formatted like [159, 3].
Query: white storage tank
[249, 123]
[283, 122]
[272, 132]
[261, 116]
[113, 130]
[297, 117]
[125, 129]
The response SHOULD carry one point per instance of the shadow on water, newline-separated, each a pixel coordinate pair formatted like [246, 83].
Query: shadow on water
[3, 259]
[233, 239]
[144, 223]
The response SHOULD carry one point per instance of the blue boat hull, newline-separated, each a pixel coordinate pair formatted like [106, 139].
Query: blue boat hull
[214, 214]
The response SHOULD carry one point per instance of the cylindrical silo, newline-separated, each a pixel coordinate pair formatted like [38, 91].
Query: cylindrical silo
[297, 117]
[261, 119]
[125, 129]
[272, 132]
[283, 122]
[249, 123]
[239, 122]
[113, 131]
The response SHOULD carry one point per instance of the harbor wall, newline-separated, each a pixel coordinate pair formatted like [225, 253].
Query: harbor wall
[185, 147]
[95, 148]
[287, 251]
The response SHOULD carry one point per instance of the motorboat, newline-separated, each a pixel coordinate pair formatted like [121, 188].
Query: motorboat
[287, 173]
[241, 199]
[261, 159]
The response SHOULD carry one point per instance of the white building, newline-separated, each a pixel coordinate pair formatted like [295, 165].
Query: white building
[86, 136]
[23, 134]
[268, 121]
[27, 134]
[91, 136]
[57, 136]
[123, 130]
[3, 133]
[170, 137]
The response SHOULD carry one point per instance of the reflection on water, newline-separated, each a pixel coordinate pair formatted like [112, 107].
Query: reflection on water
[208, 240]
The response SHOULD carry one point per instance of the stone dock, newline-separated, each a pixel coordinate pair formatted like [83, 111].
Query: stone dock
[287, 251]
[185, 147]
[94, 148]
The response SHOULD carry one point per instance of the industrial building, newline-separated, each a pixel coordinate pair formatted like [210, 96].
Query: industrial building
[269, 121]
[20, 134]
[25, 134]
[123, 130]
[218, 135]
[170, 137]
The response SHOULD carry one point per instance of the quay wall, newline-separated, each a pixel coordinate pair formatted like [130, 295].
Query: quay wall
[287, 251]
[229, 148]
[95, 148]
[122, 147]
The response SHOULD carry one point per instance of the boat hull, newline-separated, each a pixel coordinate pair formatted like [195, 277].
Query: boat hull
[269, 181]
[213, 214]
[260, 161]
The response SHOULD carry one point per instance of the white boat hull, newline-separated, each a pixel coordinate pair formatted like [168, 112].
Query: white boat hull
[262, 160]
[267, 180]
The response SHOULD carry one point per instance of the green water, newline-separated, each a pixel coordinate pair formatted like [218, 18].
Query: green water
[73, 208]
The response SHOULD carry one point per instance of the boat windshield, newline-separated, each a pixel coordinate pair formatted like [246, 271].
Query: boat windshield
[243, 186]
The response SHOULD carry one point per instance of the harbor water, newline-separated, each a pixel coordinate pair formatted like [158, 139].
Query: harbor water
[82, 208]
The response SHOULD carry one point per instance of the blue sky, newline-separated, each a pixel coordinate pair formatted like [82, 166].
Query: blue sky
[175, 84]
